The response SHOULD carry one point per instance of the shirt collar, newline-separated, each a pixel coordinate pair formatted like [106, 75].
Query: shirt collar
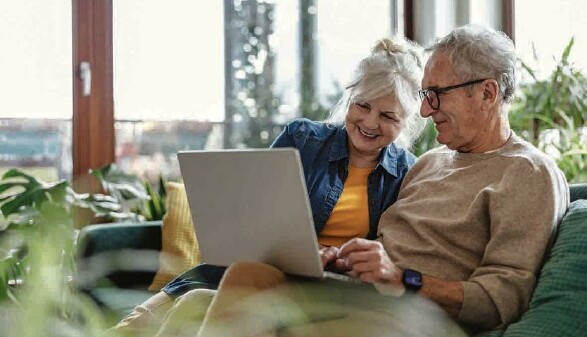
[388, 158]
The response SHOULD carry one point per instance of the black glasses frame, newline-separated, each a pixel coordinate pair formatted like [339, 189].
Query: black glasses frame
[424, 92]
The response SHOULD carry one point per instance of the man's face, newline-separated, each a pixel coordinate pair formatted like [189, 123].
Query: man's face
[458, 120]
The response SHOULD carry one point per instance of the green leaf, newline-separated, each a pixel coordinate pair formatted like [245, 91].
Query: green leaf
[27, 216]
[105, 206]
[35, 194]
[567, 50]
[7, 186]
[162, 190]
[16, 173]
[119, 184]
[56, 215]
[575, 152]
[530, 71]
[29, 197]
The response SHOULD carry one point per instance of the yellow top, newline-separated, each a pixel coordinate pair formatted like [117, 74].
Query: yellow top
[350, 216]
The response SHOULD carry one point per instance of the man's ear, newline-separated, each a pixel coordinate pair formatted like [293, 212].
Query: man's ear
[490, 93]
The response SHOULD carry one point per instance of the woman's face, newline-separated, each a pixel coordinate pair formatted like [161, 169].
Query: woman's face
[372, 125]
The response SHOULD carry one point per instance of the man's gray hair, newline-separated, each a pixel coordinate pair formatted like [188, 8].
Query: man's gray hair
[394, 66]
[479, 52]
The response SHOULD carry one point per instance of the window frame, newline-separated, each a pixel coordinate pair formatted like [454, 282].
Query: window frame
[507, 17]
[93, 130]
[93, 141]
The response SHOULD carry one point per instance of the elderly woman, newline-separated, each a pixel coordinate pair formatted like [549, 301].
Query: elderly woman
[353, 171]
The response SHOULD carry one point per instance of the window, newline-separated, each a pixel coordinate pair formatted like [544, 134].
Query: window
[347, 29]
[437, 18]
[176, 89]
[543, 31]
[36, 105]
[168, 81]
[184, 75]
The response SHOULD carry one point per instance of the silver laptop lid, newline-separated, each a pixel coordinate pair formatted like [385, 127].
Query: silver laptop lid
[251, 205]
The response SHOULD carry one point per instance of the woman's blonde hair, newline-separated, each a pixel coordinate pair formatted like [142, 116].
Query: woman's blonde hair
[394, 66]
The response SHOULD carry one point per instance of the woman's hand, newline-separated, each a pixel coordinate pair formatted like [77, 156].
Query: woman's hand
[370, 262]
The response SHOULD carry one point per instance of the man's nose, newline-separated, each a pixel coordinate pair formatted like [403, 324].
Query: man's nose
[425, 109]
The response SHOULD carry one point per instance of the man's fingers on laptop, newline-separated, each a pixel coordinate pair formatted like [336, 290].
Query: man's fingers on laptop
[372, 272]
[358, 244]
[328, 254]
[336, 266]
[375, 255]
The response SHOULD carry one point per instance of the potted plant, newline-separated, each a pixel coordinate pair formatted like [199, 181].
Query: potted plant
[37, 243]
[551, 113]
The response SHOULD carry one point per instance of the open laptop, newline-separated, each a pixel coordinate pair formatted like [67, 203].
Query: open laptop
[252, 205]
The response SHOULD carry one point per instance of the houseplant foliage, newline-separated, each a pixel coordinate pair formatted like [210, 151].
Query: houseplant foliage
[551, 113]
[36, 250]
[30, 207]
[426, 141]
[138, 200]
[37, 238]
[32, 211]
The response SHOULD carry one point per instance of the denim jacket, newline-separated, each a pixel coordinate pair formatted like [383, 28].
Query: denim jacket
[325, 160]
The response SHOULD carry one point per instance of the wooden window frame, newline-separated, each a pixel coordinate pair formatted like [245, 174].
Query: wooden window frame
[507, 17]
[409, 20]
[93, 141]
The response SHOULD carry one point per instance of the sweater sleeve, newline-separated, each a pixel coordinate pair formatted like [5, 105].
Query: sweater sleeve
[524, 210]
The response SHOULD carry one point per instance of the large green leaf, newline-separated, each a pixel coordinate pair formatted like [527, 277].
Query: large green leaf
[26, 216]
[119, 184]
[34, 194]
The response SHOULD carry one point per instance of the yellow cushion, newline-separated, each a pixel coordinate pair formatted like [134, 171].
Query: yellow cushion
[179, 250]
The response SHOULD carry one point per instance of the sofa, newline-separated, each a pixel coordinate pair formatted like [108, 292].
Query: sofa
[117, 263]
[108, 267]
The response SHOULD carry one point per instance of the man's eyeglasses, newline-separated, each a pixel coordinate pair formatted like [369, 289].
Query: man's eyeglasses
[433, 94]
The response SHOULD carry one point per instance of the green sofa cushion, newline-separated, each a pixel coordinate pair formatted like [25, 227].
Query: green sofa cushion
[559, 303]
[578, 191]
[114, 243]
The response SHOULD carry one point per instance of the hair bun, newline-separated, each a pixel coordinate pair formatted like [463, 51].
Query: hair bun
[395, 47]
[389, 46]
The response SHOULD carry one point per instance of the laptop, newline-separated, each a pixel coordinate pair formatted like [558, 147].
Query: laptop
[252, 205]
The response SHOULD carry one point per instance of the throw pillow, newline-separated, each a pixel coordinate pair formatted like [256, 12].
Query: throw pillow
[179, 246]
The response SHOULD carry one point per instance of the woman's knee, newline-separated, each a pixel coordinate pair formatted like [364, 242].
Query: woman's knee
[149, 313]
[253, 274]
[197, 297]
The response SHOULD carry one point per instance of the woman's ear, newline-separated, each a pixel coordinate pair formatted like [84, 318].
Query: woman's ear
[490, 93]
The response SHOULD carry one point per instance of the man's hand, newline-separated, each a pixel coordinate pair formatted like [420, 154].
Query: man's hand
[330, 261]
[369, 261]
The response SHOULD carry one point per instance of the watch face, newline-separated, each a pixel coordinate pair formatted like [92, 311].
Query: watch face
[412, 279]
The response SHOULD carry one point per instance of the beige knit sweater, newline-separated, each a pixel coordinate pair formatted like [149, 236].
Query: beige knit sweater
[483, 219]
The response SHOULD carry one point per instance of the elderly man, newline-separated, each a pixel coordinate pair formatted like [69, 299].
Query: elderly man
[475, 217]
[469, 231]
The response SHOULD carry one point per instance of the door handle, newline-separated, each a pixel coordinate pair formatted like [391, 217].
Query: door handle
[85, 74]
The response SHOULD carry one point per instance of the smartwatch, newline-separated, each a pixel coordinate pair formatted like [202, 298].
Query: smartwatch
[412, 279]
